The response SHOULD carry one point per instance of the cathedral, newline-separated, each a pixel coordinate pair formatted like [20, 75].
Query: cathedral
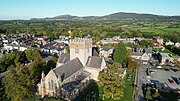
[73, 71]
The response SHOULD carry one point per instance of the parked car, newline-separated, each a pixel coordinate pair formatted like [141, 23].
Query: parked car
[171, 81]
[176, 80]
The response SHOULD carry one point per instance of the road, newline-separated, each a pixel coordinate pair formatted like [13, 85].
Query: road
[141, 79]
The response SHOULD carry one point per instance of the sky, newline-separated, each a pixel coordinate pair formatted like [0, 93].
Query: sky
[26, 9]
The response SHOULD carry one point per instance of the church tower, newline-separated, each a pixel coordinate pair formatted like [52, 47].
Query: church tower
[81, 48]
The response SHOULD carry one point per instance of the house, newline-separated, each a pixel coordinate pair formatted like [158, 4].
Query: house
[145, 57]
[116, 38]
[136, 41]
[106, 52]
[65, 41]
[177, 44]
[136, 54]
[8, 47]
[24, 39]
[20, 47]
[5, 41]
[73, 71]
[149, 51]
[158, 42]
[127, 40]
[169, 43]
[15, 47]
[3, 51]
[53, 47]
[165, 58]
[142, 53]
[108, 41]
[40, 38]
[23, 47]
[15, 42]
[42, 42]
[176, 59]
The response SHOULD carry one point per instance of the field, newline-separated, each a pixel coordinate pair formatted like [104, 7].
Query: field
[154, 28]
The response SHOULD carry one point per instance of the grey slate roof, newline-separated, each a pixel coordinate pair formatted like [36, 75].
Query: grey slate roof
[95, 53]
[149, 50]
[141, 51]
[164, 54]
[137, 53]
[76, 83]
[107, 48]
[68, 69]
[94, 61]
[109, 60]
[64, 58]
[54, 45]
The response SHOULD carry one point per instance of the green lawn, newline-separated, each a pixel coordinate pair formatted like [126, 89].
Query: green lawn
[157, 49]
[128, 91]
[164, 51]
[167, 51]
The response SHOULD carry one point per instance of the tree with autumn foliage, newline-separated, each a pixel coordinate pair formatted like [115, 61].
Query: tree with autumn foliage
[111, 82]
[132, 64]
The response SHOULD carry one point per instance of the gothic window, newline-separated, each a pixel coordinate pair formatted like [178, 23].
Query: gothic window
[49, 85]
[52, 85]
[76, 49]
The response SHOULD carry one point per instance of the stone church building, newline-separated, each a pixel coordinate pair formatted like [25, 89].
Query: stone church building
[73, 71]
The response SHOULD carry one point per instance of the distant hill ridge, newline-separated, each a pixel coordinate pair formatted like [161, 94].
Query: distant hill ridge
[114, 16]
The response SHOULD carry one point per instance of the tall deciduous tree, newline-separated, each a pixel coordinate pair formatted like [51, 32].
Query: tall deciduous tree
[143, 43]
[18, 84]
[111, 82]
[29, 53]
[37, 64]
[132, 64]
[120, 54]
[7, 60]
